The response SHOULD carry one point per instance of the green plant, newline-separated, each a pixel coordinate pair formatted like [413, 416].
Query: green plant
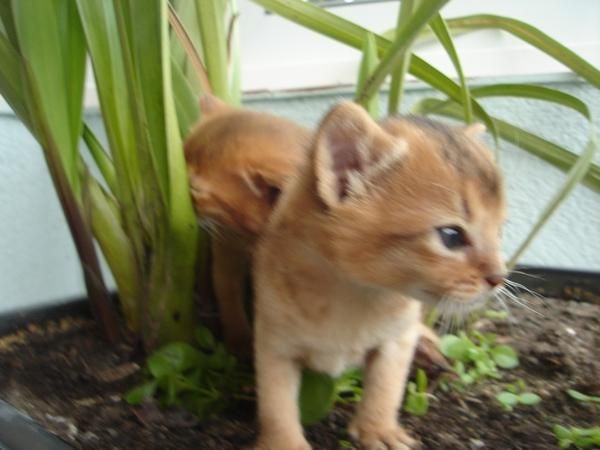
[138, 209]
[583, 397]
[319, 392]
[203, 378]
[579, 437]
[477, 356]
[495, 315]
[517, 394]
[417, 397]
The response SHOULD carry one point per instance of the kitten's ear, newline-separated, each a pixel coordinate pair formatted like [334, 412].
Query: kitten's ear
[209, 104]
[264, 185]
[351, 150]
[474, 130]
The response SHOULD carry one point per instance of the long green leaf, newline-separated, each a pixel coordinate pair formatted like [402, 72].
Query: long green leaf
[368, 64]
[439, 27]
[117, 249]
[233, 53]
[11, 85]
[211, 21]
[146, 44]
[550, 152]
[82, 237]
[186, 100]
[153, 174]
[533, 36]
[190, 50]
[102, 38]
[171, 308]
[346, 32]
[399, 73]
[187, 13]
[405, 36]
[536, 92]
[7, 22]
[51, 41]
[574, 176]
[101, 158]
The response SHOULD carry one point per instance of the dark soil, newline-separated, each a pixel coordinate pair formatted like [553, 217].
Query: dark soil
[69, 380]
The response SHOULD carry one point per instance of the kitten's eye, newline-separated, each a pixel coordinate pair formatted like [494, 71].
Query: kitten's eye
[453, 237]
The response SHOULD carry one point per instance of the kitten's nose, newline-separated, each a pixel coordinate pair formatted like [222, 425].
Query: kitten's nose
[495, 279]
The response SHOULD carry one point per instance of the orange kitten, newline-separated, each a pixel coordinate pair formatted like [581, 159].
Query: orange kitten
[381, 218]
[238, 161]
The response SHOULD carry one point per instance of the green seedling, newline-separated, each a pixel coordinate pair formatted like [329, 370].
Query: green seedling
[495, 315]
[348, 387]
[203, 378]
[342, 443]
[319, 392]
[579, 437]
[517, 394]
[476, 356]
[417, 398]
[583, 397]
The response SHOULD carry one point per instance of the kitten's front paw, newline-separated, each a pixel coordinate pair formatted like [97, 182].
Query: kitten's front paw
[373, 437]
[279, 443]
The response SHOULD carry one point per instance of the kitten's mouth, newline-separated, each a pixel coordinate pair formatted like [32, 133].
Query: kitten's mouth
[453, 305]
[453, 300]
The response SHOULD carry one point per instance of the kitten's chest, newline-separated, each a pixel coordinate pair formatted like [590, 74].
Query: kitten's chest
[350, 328]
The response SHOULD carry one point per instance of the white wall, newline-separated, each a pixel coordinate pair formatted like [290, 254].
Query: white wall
[278, 54]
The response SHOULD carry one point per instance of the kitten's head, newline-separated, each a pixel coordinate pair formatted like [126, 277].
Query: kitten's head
[238, 161]
[410, 204]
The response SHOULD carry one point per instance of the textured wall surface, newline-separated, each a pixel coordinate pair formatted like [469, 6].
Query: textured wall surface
[38, 262]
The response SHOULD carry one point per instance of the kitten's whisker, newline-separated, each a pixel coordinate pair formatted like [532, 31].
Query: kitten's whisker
[509, 295]
[521, 287]
[525, 274]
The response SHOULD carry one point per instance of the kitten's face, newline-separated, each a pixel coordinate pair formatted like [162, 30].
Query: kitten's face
[414, 206]
[237, 162]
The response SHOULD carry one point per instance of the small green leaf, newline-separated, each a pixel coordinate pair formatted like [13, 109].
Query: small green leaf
[173, 358]
[496, 315]
[421, 380]
[529, 398]
[476, 354]
[505, 356]
[467, 378]
[416, 404]
[582, 397]
[317, 394]
[560, 432]
[204, 338]
[508, 399]
[454, 347]
[138, 394]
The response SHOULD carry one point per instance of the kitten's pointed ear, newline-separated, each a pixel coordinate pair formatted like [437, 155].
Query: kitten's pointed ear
[474, 130]
[209, 104]
[264, 185]
[351, 150]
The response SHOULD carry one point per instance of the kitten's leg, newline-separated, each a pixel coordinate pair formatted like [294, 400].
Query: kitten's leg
[229, 270]
[277, 383]
[376, 425]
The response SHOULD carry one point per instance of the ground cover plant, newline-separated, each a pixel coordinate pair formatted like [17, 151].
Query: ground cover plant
[69, 380]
